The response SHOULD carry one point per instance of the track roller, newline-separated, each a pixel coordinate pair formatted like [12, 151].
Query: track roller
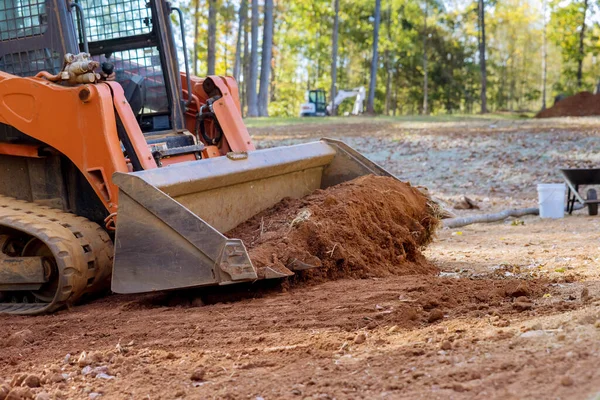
[49, 258]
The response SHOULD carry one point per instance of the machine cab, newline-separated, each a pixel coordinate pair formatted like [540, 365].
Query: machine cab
[134, 38]
[131, 39]
[315, 104]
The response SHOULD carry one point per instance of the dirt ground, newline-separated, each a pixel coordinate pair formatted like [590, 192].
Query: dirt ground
[513, 314]
[578, 105]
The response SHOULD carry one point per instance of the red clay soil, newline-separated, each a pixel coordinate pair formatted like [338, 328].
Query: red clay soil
[579, 105]
[277, 347]
[370, 226]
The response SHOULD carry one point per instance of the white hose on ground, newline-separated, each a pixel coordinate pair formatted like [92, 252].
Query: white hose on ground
[501, 216]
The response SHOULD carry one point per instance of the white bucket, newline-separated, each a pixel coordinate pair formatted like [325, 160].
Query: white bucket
[551, 199]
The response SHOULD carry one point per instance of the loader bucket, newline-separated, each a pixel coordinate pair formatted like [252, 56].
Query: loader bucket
[171, 220]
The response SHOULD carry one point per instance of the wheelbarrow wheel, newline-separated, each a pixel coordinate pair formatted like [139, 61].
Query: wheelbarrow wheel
[592, 207]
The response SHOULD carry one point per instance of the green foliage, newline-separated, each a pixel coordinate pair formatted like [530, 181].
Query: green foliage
[565, 26]
[514, 29]
[566, 22]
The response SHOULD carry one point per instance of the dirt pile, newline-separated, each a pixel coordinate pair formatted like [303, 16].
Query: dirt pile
[371, 226]
[579, 105]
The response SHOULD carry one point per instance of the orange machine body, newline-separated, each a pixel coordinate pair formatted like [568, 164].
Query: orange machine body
[79, 122]
[227, 109]
[91, 102]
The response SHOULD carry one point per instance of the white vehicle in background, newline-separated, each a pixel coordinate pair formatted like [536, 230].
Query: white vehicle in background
[316, 102]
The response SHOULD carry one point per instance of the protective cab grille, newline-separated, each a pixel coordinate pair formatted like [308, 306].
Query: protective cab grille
[108, 22]
[112, 19]
[29, 63]
[22, 18]
[20, 21]
[144, 62]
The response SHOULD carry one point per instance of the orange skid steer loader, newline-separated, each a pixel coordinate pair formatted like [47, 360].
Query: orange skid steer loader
[112, 163]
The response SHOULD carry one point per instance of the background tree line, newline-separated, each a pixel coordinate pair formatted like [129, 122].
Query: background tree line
[413, 56]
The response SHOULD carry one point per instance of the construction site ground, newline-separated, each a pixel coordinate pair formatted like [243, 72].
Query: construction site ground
[513, 314]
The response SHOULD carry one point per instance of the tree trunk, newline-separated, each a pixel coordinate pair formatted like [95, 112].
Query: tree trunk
[544, 56]
[396, 86]
[265, 66]
[487, 218]
[212, 37]
[388, 62]
[512, 85]
[237, 66]
[581, 46]
[246, 67]
[334, 54]
[196, 35]
[275, 76]
[482, 57]
[425, 72]
[253, 76]
[225, 48]
[388, 83]
[375, 59]
[318, 71]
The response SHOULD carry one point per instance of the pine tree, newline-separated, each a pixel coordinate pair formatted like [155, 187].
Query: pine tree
[265, 66]
[212, 37]
[253, 76]
[237, 66]
[374, 59]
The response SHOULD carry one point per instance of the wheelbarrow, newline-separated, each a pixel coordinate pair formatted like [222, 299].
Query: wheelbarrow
[576, 177]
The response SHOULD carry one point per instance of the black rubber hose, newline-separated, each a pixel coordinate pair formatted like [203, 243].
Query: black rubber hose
[201, 128]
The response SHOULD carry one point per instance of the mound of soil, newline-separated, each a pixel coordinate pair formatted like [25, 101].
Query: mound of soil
[370, 226]
[579, 105]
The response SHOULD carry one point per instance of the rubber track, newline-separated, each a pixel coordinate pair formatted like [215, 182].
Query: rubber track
[82, 249]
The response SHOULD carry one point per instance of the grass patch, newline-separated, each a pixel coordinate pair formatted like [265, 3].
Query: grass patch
[282, 121]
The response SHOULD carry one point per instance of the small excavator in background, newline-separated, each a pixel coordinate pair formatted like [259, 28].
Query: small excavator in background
[316, 104]
[115, 164]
